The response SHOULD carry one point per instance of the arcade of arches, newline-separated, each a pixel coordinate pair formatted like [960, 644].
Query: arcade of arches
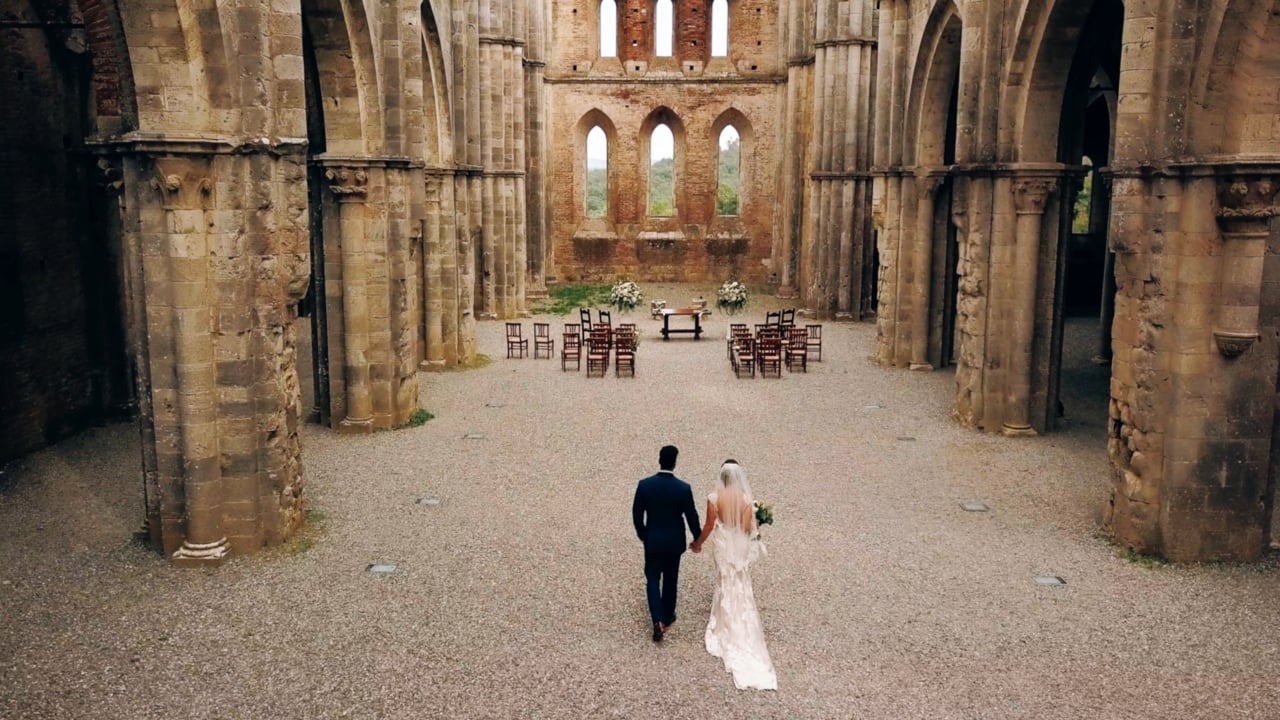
[181, 182]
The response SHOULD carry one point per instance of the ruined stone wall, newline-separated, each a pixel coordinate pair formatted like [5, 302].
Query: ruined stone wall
[61, 340]
[1192, 189]
[697, 96]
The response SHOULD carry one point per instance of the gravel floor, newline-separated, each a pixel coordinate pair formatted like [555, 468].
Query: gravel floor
[521, 595]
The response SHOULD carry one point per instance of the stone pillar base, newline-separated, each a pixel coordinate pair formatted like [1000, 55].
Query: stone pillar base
[921, 367]
[486, 316]
[356, 426]
[844, 315]
[431, 365]
[191, 554]
[786, 292]
[1018, 431]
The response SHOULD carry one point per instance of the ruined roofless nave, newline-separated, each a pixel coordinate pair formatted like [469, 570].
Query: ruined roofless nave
[180, 182]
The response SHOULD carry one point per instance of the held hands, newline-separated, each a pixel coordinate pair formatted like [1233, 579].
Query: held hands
[695, 546]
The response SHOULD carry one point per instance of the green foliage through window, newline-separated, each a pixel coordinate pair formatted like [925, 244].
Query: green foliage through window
[727, 193]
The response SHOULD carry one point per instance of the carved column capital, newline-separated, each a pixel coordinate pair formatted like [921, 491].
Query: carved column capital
[182, 183]
[1247, 200]
[348, 184]
[1031, 195]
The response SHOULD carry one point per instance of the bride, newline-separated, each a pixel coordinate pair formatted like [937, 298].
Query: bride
[734, 633]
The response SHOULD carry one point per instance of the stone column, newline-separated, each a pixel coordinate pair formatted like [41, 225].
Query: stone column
[922, 263]
[1030, 198]
[350, 186]
[186, 187]
[431, 278]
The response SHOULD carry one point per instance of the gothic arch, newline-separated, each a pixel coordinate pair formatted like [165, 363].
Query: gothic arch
[337, 33]
[663, 115]
[933, 84]
[1228, 117]
[746, 145]
[1038, 76]
[594, 118]
[437, 128]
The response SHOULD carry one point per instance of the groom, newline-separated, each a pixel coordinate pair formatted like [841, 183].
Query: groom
[662, 501]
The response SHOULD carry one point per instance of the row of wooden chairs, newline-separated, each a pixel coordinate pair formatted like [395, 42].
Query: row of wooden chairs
[599, 343]
[518, 344]
[768, 349]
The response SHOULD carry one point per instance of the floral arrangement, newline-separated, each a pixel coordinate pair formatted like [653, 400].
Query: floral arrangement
[625, 296]
[732, 297]
[764, 513]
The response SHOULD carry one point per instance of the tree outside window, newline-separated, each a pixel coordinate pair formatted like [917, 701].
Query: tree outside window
[662, 165]
[730, 176]
[597, 173]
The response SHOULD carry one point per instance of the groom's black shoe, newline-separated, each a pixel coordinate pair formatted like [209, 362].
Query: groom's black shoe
[657, 632]
[670, 621]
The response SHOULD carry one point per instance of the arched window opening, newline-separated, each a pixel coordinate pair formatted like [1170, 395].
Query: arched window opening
[608, 28]
[1081, 221]
[662, 170]
[665, 33]
[597, 173]
[727, 194]
[719, 28]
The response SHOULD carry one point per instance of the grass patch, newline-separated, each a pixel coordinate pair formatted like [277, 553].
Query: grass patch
[564, 299]
[477, 362]
[306, 537]
[1149, 561]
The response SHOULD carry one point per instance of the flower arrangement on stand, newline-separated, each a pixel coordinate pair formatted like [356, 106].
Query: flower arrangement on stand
[625, 296]
[732, 297]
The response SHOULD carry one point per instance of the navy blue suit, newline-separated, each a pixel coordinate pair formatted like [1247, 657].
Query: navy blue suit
[662, 505]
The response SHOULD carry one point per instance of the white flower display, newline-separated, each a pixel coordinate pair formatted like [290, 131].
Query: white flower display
[732, 297]
[625, 295]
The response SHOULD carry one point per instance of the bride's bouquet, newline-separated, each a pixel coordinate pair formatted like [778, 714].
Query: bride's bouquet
[764, 513]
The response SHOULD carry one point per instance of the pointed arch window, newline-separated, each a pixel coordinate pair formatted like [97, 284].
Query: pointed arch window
[662, 171]
[719, 28]
[597, 173]
[608, 28]
[729, 172]
[664, 25]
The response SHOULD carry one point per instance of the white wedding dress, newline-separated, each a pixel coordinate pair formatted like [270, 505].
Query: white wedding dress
[734, 632]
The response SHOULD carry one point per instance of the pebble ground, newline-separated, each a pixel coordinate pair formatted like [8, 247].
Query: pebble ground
[521, 594]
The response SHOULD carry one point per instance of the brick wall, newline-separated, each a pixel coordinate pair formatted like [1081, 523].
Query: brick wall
[696, 96]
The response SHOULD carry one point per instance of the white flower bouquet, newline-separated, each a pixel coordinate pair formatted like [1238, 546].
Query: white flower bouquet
[732, 297]
[625, 296]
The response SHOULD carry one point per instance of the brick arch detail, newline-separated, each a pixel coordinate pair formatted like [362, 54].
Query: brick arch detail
[746, 144]
[112, 80]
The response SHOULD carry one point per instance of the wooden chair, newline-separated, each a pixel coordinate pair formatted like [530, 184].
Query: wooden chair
[769, 356]
[744, 356]
[795, 351]
[584, 319]
[735, 330]
[625, 337]
[571, 350]
[624, 356]
[576, 329]
[605, 317]
[773, 317]
[597, 355]
[542, 340]
[814, 341]
[787, 320]
[516, 343]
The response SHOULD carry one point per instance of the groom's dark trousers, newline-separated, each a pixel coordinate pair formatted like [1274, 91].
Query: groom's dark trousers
[662, 506]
